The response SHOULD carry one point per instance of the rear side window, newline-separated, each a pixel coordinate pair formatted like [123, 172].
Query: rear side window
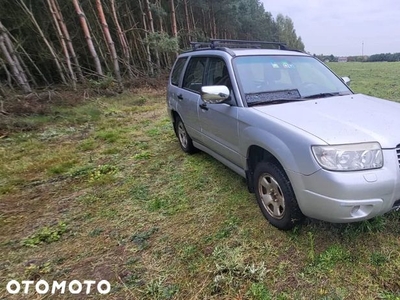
[176, 73]
[193, 79]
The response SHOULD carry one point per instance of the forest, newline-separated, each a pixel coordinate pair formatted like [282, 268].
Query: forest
[68, 42]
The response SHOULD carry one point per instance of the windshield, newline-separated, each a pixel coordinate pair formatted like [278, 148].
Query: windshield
[272, 78]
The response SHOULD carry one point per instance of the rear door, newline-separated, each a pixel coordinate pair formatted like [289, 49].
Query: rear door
[175, 82]
[189, 96]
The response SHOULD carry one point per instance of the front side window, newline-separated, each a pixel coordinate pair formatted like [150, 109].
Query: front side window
[217, 73]
[193, 79]
[272, 78]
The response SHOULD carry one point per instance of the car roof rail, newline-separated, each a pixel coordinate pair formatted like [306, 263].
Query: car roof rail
[222, 44]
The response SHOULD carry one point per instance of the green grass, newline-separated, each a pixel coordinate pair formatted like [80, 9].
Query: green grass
[379, 79]
[160, 224]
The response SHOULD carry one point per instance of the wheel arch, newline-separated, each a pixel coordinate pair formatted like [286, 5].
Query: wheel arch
[256, 154]
[174, 115]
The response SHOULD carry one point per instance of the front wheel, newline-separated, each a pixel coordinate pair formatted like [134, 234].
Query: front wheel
[185, 140]
[276, 197]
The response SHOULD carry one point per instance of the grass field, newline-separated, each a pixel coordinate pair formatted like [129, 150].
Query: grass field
[103, 191]
[377, 79]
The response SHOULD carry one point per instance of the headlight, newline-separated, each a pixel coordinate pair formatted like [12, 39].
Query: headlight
[349, 157]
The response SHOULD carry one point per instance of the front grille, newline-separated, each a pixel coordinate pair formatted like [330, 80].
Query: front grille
[398, 154]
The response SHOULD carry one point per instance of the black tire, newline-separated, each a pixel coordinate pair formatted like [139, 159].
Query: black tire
[185, 141]
[276, 197]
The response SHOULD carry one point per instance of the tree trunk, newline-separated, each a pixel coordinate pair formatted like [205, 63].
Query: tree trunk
[187, 20]
[53, 11]
[160, 16]
[88, 37]
[173, 19]
[151, 24]
[205, 27]
[31, 61]
[27, 72]
[18, 77]
[211, 20]
[193, 20]
[2, 92]
[15, 57]
[68, 40]
[122, 40]
[148, 47]
[45, 40]
[133, 42]
[9, 77]
[149, 60]
[110, 42]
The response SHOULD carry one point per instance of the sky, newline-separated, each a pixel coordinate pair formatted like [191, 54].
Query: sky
[341, 27]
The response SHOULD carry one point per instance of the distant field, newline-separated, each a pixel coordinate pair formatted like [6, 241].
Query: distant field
[379, 79]
[103, 191]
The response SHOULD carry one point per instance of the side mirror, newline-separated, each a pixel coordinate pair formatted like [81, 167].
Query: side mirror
[346, 80]
[214, 94]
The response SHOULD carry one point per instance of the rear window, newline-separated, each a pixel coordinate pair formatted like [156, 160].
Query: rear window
[177, 71]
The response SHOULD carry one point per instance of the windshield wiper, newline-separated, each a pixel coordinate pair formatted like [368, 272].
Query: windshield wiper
[275, 101]
[323, 95]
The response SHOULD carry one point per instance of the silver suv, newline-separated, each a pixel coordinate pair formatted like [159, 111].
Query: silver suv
[306, 144]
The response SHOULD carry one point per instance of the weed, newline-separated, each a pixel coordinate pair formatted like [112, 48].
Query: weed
[389, 296]
[101, 171]
[111, 151]
[46, 235]
[103, 83]
[228, 228]
[328, 259]
[142, 155]
[258, 291]
[140, 192]
[153, 132]
[33, 271]
[157, 204]
[311, 251]
[230, 268]
[87, 145]
[62, 168]
[141, 100]
[188, 252]
[140, 239]
[82, 171]
[157, 289]
[378, 259]
[96, 232]
[110, 136]
[141, 145]
[376, 224]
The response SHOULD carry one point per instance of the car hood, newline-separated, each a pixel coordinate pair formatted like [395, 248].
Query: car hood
[343, 119]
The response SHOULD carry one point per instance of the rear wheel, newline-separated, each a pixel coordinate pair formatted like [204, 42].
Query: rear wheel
[276, 197]
[185, 141]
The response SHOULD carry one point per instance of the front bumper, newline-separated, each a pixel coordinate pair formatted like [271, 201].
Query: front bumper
[342, 197]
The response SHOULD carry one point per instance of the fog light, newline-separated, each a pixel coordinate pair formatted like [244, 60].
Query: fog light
[354, 210]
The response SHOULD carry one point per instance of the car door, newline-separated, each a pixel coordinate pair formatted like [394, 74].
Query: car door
[219, 122]
[188, 97]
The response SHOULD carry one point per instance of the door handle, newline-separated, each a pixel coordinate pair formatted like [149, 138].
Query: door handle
[203, 106]
[180, 97]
